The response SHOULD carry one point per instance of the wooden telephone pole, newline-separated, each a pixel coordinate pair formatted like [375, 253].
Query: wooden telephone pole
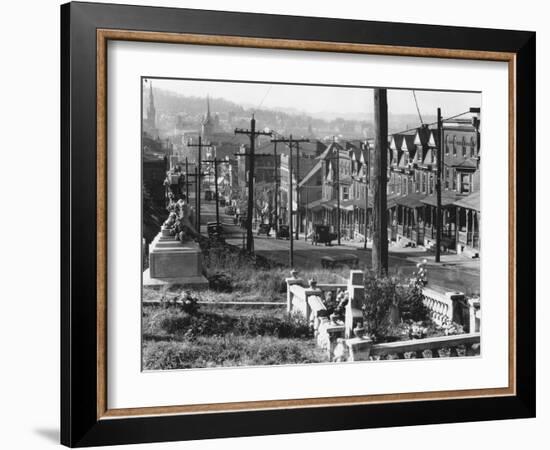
[186, 180]
[366, 148]
[438, 186]
[251, 133]
[197, 199]
[216, 162]
[380, 167]
[200, 146]
[290, 142]
[336, 183]
[276, 193]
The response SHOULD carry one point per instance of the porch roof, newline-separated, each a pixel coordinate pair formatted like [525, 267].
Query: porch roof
[329, 204]
[413, 200]
[469, 202]
[447, 198]
[315, 205]
[357, 203]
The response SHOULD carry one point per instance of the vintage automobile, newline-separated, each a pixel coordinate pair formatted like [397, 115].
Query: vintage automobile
[242, 221]
[347, 259]
[264, 228]
[214, 230]
[322, 235]
[283, 232]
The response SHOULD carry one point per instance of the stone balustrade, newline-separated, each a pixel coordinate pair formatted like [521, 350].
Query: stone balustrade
[439, 305]
[338, 339]
[359, 349]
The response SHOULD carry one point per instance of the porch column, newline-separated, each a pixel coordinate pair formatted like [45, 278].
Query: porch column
[457, 226]
[479, 230]
[474, 227]
[467, 226]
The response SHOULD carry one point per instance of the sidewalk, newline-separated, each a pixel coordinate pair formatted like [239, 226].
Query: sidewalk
[417, 255]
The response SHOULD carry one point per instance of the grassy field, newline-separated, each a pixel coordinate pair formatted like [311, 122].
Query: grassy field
[218, 336]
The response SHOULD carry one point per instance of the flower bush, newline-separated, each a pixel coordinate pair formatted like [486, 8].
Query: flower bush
[394, 307]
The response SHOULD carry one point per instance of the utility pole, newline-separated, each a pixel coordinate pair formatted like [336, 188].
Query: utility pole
[216, 162]
[200, 146]
[290, 142]
[338, 194]
[186, 180]
[252, 133]
[380, 166]
[367, 184]
[197, 201]
[438, 185]
[276, 196]
[298, 221]
[336, 183]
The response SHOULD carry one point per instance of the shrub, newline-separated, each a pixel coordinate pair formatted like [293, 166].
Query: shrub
[411, 304]
[220, 282]
[388, 300]
[382, 295]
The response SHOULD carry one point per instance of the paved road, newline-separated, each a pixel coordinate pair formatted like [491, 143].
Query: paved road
[450, 276]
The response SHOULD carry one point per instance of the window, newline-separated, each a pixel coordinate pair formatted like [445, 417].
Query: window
[454, 145]
[465, 183]
[345, 193]
[446, 178]
[423, 181]
[453, 174]
[446, 145]
[464, 146]
[472, 147]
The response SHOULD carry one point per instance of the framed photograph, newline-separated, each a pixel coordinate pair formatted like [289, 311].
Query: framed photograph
[277, 224]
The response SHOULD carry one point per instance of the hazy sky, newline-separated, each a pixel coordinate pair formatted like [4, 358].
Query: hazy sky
[323, 99]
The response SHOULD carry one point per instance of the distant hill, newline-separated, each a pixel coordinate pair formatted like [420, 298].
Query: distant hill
[285, 120]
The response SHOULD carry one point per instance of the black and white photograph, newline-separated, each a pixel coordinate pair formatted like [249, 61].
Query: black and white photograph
[289, 224]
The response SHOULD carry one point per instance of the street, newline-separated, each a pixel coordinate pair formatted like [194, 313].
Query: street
[453, 273]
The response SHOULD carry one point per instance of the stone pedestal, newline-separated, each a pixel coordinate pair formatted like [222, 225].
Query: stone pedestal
[172, 262]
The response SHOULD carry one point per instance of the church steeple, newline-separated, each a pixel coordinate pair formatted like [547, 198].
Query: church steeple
[151, 112]
[150, 123]
[151, 98]
[207, 124]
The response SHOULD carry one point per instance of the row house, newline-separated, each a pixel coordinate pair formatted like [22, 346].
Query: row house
[338, 182]
[412, 200]
[304, 159]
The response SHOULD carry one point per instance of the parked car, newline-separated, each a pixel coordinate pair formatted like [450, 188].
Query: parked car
[214, 230]
[322, 235]
[283, 232]
[264, 228]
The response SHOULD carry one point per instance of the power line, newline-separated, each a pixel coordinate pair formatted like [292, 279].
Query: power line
[265, 96]
[417, 108]
[445, 119]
